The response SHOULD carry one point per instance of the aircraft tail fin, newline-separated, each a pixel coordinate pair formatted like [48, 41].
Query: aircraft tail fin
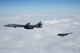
[27, 24]
[39, 24]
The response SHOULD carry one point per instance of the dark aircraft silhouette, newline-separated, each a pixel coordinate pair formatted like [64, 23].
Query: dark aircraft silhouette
[27, 26]
[63, 34]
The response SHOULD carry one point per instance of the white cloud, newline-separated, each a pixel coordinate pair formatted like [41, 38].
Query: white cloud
[76, 23]
[4, 39]
[44, 40]
[51, 22]
[71, 44]
[57, 21]
[17, 45]
[38, 36]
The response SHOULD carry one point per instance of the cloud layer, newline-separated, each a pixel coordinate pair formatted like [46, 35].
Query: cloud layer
[44, 40]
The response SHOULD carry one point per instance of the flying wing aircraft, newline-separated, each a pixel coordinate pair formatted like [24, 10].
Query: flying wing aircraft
[64, 34]
[27, 26]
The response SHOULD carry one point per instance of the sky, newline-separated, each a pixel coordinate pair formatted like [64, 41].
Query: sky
[57, 16]
[39, 6]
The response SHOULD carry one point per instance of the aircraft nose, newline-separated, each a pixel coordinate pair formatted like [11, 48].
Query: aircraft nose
[5, 25]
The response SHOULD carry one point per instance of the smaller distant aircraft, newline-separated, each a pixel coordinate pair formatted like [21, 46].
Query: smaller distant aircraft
[27, 26]
[64, 34]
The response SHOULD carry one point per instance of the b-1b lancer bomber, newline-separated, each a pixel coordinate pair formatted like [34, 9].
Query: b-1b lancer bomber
[27, 26]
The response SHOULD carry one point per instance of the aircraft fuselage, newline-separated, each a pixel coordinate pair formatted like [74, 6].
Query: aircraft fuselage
[27, 26]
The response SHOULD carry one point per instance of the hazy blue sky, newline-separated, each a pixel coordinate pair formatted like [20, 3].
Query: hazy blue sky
[30, 6]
